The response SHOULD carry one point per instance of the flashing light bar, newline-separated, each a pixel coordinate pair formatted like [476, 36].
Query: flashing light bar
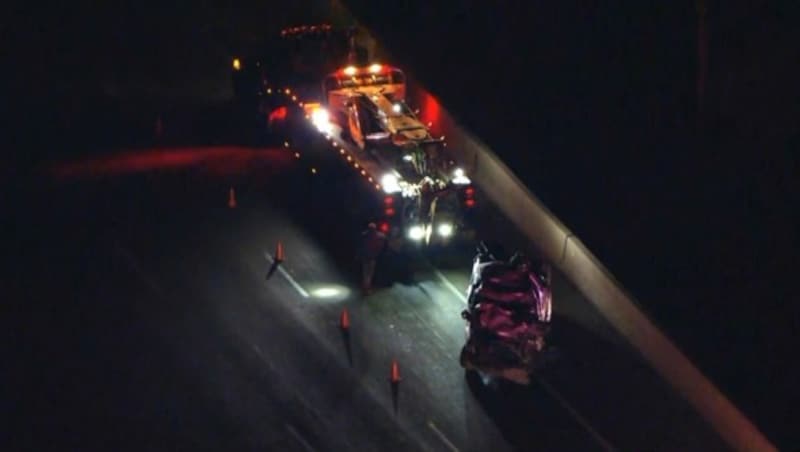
[374, 68]
[305, 29]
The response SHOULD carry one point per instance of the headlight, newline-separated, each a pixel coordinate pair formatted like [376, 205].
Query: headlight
[416, 232]
[390, 184]
[459, 178]
[321, 120]
[445, 229]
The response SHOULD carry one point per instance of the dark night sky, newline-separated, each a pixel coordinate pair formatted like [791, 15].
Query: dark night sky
[593, 102]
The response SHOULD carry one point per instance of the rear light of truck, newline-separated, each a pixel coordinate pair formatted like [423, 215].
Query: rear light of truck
[469, 200]
[278, 114]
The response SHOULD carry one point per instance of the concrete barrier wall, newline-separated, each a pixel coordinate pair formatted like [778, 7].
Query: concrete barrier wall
[571, 257]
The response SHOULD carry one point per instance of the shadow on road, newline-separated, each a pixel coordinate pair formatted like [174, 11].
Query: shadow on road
[581, 386]
[527, 417]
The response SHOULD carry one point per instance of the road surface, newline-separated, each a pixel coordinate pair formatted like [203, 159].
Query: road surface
[147, 321]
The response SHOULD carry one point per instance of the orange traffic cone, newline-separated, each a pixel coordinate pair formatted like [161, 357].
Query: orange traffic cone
[395, 374]
[279, 252]
[231, 198]
[344, 320]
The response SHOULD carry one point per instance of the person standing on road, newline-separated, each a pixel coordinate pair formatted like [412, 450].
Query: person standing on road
[373, 243]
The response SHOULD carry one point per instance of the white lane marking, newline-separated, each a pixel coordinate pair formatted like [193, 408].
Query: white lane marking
[286, 275]
[299, 438]
[450, 286]
[577, 416]
[441, 436]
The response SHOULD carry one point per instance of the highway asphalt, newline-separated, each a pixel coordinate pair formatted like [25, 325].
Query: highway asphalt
[147, 321]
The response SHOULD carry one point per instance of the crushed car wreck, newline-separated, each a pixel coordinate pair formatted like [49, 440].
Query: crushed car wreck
[509, 306]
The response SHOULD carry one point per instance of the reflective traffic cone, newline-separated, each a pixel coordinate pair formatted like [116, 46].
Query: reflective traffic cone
[231, 198]
[344, 320]
[395, 374]
[279, 252]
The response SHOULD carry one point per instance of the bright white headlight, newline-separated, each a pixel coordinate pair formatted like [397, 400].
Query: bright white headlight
[459, 178]
[416, 232]
[321, 120]
[390, 183]
[445, 229]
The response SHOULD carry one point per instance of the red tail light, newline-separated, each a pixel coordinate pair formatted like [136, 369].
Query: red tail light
[384, 227]
[388, 200]
[469, 191]
[389, 212]
[470, 203]
[278, 114]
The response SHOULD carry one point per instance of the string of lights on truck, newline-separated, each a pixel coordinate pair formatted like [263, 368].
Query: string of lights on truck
[351, 161]
[390, 184]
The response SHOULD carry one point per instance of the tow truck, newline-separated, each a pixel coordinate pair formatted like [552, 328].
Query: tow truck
[423, 199]
[428, 198]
